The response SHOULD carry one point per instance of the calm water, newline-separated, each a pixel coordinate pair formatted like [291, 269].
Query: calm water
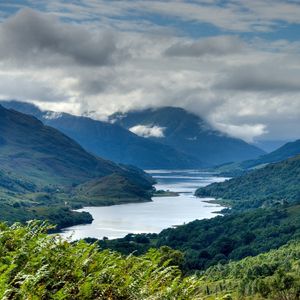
[118, 220]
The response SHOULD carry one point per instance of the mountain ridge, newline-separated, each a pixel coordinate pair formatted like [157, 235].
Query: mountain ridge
[111, 140]
[190, 134]
[40, 168]
[284, 152]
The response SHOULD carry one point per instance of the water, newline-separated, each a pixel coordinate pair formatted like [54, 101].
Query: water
[152, 217]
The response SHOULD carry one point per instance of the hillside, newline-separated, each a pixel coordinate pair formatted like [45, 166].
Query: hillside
[111, 141]
[40, 166]
[273, 275]
[49, 268]
[278, 182]
[286, 151]
[46, 267]
[219, 240]
[187, 133]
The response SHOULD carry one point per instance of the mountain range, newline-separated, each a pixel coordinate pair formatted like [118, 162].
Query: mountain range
[182, 141]
[111, 141]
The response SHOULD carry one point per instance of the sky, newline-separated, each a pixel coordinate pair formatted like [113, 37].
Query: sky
[235, 63]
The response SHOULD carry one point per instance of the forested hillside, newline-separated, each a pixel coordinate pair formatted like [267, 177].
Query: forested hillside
[220, 239]
[274, 275]
[275, 183]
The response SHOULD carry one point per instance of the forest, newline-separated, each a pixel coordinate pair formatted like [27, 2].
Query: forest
[219, 240]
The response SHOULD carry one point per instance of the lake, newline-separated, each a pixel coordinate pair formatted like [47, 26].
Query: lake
[152, 217]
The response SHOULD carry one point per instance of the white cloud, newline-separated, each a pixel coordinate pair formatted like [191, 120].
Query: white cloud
[248, 131]
[249, 89]
[148, 131]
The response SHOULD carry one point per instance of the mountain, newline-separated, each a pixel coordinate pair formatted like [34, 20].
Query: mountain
[187, 133]
[44, 154]
[272, 184]
[40, 166]
[286, 151]
[270, 145]
[111, 141]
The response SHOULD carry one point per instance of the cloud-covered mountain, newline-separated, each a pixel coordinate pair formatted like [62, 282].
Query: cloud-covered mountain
[50, 159]
[187, 133]
[111, 140]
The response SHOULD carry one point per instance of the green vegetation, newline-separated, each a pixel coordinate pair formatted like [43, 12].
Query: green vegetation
[34, 265]
[57, 215]
[268, 186]
[274, 275]
[114, 188]
[44, 174]
[220, 239]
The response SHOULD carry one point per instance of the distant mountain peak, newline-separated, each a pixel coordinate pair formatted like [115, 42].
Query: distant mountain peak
[188, 133]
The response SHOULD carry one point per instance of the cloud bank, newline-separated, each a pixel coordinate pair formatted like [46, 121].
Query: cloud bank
[104, 57]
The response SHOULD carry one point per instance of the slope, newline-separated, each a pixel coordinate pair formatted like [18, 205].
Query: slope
[111, 141]
[286, 151]
[40, 168]
[278, 182]
[187, 133]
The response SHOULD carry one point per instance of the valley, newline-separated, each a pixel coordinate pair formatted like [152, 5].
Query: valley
[152, 217]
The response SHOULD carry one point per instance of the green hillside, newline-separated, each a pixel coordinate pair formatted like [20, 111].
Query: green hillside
[273, 275]
[41, 169]
[278, 182]
[44, 154]
[220, 239]
[38, 266]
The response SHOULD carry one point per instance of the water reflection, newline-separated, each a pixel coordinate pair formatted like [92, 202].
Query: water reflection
[119, 220]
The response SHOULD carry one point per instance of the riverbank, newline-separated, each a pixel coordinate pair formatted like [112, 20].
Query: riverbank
[179, 207]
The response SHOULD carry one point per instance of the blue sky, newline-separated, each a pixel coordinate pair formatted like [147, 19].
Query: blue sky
[266, 19]
[236, 63]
